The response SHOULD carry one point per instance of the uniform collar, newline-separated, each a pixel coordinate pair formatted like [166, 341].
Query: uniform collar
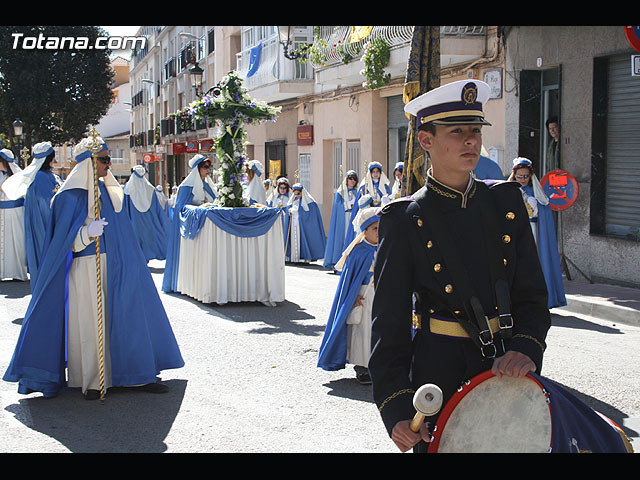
[451, 195]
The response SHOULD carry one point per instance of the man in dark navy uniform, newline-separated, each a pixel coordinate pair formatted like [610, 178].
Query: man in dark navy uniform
[459, 288]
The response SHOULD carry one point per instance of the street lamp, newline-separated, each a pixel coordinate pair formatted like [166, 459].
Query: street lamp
[196, 74]
[17, 128]
[285, 34]
[18, 132]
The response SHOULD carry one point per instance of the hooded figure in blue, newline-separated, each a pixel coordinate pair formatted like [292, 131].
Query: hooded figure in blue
[374, 191]
[304, 233]
[60, 327]
[150, 222]
[543, 227]
[37, 184]
[347, 336]
[198, 188]
[340, 218]
[487, 169]
[13, 252]
[280, 197]
[254, 191]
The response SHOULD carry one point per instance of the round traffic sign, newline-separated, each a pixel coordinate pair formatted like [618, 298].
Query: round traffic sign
[561, 188]
[633, 36]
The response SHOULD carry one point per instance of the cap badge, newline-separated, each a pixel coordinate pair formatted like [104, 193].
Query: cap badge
[469, 93]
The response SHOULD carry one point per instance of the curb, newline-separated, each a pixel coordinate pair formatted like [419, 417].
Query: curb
[602, 310]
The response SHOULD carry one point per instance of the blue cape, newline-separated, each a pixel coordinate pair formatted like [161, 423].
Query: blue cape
[37, 211]
[351, 234]
[141, 339]
[356, 272]
[488, 169]
[312, 237]
[336, 235]
[548, 254]
[151, 227]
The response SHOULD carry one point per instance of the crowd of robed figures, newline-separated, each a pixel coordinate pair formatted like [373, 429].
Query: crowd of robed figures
[348, 248]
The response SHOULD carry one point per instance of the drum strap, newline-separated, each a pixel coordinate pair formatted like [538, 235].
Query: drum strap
[496, 264]
[475, 322]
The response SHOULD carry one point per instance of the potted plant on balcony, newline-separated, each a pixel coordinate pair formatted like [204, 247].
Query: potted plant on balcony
[375, 58]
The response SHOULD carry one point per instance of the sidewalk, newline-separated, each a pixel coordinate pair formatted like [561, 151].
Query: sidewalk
[603, 301]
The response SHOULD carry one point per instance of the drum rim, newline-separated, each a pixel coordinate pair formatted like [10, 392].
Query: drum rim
[456, 398]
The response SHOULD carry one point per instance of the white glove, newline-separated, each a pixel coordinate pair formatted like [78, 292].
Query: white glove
[96, 227]
[364, 200]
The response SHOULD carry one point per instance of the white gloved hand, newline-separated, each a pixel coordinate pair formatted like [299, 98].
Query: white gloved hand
[96, 227]
[364, 200]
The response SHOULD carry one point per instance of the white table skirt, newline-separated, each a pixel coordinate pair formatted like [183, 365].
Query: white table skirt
[218, 267]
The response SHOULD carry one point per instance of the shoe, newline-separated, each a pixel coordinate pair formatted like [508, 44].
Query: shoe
[156, 387]
[363, 378]
[91, 394]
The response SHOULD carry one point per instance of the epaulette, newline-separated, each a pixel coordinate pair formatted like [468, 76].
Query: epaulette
[497, 183]
[389, 206]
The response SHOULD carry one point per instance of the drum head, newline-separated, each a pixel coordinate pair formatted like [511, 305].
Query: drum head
[495, 415]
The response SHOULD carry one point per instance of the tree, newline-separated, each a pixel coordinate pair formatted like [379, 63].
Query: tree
[57, 89]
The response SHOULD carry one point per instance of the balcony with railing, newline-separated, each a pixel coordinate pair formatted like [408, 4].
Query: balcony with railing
[336, 50]
[275, 77]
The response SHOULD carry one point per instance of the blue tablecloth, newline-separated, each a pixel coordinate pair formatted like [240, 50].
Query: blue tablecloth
[238, 221]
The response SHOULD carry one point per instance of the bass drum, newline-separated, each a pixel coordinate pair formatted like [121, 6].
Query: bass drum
[531, 414]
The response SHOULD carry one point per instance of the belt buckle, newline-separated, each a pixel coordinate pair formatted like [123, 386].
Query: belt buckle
[488, 342]
[491, 355]
[505, 321]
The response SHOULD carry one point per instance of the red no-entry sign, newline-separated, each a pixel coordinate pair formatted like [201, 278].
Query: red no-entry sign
[633, 36]
[561, 188]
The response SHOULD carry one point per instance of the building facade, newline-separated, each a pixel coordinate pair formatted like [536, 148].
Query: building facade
[583, 76]
[330, 122]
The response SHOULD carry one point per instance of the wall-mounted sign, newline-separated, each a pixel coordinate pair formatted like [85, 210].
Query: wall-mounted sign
[206, 145]
[561, 188]
[179, 148]
[305, 135]
[193, 146]
[151, 157]
[635, 65]
[493, 78]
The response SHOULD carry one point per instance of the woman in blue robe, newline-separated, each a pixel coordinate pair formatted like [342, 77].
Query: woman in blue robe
[374, 191]
[340, 217]
[138, 336]
[347, 336]
[13, 252]
[280, 197]
[150, 222]
[305, 240]
[37, 184]
[196, 189]
[543, 227]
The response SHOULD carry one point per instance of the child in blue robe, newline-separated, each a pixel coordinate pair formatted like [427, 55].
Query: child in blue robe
[347, 336]
[374, 191]
[305, 240]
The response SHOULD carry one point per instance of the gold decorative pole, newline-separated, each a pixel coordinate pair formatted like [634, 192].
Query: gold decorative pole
[95, 147]
[25, 155]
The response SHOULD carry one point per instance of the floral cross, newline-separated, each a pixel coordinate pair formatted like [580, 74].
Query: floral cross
[228, 105]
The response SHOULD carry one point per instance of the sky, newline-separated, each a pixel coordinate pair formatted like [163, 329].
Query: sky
[126, 31]
[122, 31]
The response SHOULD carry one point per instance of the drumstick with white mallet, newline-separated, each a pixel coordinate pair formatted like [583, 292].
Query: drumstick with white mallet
[427, 401]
